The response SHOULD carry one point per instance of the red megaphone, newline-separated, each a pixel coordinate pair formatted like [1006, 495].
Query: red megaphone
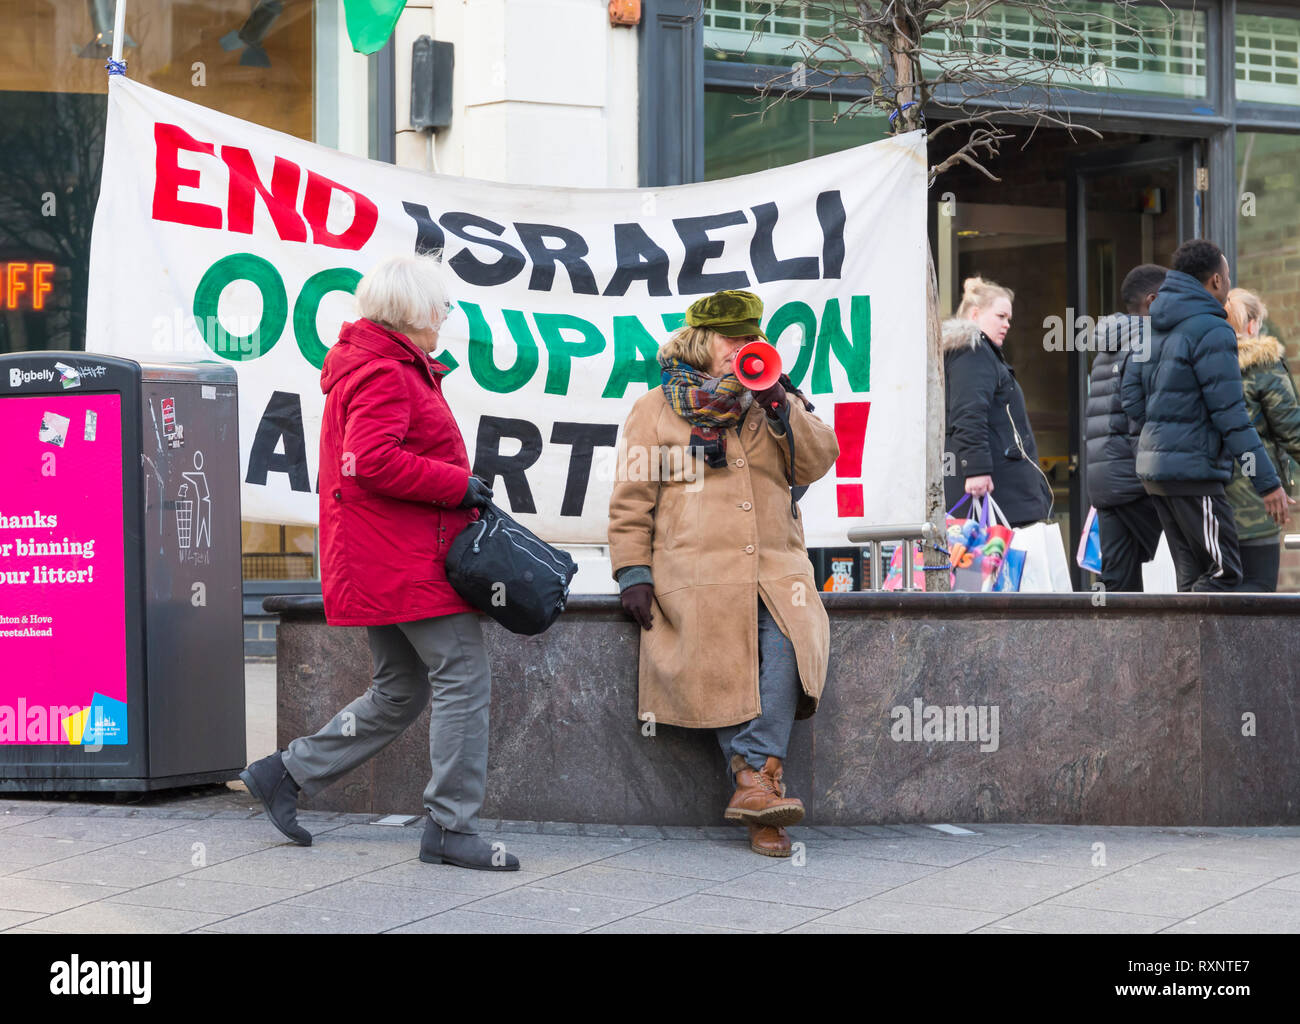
[758, 365]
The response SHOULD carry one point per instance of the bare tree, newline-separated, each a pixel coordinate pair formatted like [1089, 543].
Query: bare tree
[953, 69]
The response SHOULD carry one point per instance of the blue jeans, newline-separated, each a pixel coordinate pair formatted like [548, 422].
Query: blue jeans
[768, 735]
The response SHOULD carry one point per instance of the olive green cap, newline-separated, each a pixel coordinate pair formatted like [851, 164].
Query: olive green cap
[734, 314]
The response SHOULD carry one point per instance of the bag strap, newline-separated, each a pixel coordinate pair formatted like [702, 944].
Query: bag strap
[960, 502]
[999, 517]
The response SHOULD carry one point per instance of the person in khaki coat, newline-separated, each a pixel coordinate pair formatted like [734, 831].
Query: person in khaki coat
[710, 556]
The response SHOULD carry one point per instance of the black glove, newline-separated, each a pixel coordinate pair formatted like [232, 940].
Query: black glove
[772, 400]
[636, 602]
[477, 495]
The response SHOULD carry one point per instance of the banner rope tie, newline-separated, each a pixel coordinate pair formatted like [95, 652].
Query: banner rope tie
[115, 67]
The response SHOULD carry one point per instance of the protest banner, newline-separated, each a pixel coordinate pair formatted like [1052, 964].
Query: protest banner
[217, 238]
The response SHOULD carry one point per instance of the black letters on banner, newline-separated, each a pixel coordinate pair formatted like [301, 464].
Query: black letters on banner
[762, 254]
[282, 418]
[584, 437]
[469, 268]
[830, 211]
[694, 233]
[573, 247]
[428, 234]
[639, 259]
[489, 463]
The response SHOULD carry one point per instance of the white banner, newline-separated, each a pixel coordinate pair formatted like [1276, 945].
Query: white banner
[217, 238]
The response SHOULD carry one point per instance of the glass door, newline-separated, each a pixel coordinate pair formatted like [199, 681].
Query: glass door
[1124, 207]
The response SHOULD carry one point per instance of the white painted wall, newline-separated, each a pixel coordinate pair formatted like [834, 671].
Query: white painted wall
[544, 93]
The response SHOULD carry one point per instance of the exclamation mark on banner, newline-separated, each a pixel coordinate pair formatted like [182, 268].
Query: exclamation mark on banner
[851, 430]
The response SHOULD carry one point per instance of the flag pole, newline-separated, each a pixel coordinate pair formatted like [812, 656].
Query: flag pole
[119, 29]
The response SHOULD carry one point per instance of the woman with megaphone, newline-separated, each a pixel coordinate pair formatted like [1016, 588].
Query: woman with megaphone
[707, 545]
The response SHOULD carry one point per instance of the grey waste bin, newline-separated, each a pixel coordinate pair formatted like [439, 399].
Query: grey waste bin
[121, 631]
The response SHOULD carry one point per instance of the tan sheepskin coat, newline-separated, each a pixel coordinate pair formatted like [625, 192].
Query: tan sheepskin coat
[715, 539]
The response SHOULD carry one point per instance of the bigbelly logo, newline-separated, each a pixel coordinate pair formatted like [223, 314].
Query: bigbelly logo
[19, 377]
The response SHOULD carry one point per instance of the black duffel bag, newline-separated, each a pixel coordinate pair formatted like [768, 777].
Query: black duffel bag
[505, 571]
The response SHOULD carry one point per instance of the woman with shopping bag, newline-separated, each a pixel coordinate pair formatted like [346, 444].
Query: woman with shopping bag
[989, 444]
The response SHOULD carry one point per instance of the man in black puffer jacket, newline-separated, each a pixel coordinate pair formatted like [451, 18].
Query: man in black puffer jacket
[1188, 401]
[1126, 514]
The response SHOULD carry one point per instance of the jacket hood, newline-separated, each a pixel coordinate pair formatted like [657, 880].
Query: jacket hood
[1261, 350]
[1116, 332]
[958, 333]
[1179, 297]
[363, 340]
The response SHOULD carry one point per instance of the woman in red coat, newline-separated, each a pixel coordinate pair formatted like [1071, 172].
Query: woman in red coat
[395, 489]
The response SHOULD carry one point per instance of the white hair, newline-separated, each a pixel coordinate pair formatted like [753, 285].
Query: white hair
[405, 293]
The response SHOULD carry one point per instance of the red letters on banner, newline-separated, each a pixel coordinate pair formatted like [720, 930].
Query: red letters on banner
[170, 139]
[245, 185]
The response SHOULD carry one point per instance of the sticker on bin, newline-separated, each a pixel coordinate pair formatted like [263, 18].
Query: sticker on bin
[169, 416]
[92, 424]
[54, 428]
[208, 391]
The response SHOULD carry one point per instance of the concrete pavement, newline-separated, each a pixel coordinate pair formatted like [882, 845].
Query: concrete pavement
[208, 860]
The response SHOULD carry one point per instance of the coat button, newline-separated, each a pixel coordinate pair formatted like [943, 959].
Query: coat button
[338, 495]
[746, 506]
[754, 425]
[739, 463]
[749, 549]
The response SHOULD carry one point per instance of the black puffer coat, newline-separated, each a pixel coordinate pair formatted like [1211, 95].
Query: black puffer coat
[1112, 444]
[1187, 397]
[986, 410]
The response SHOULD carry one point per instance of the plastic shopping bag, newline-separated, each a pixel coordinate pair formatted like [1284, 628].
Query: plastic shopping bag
[1046, 569]
[1089, 554]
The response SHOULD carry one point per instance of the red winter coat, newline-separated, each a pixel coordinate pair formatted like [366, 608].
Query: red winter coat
[393, 468]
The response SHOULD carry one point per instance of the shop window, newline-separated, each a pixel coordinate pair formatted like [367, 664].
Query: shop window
[740, 137]
[1268, 229]
[277, 552]
[1096, 56]
[1268, 59]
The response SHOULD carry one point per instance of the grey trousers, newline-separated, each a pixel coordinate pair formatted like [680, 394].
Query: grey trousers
[768, 735]
[443, 656]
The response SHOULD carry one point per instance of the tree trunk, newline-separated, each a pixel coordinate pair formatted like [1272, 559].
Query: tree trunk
[934, 428]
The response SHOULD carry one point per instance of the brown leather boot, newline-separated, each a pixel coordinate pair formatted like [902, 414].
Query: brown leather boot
[760, 796]
[769, 841]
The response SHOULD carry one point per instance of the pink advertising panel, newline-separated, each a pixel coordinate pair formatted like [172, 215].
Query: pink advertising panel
[62, 614]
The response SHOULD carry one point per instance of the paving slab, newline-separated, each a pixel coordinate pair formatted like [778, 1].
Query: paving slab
[290, 920]
[10, 919]
[107, 868]
[621, 883]
[850, 865]
[104, 831]
[466, 922]
[1050, 917]
[49, 897]
[121, 918]
[580, 908]
[393, 905]
[654, 926]
[729, 912]
[718, 862]
[880, 915]
[224, 898]
[1124, 897]
[941, 891]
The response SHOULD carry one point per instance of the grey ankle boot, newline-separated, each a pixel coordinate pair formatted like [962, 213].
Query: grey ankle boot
[270, 782]
[442, 846]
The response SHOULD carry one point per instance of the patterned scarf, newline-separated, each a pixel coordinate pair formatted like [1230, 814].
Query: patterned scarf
[711, 405]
